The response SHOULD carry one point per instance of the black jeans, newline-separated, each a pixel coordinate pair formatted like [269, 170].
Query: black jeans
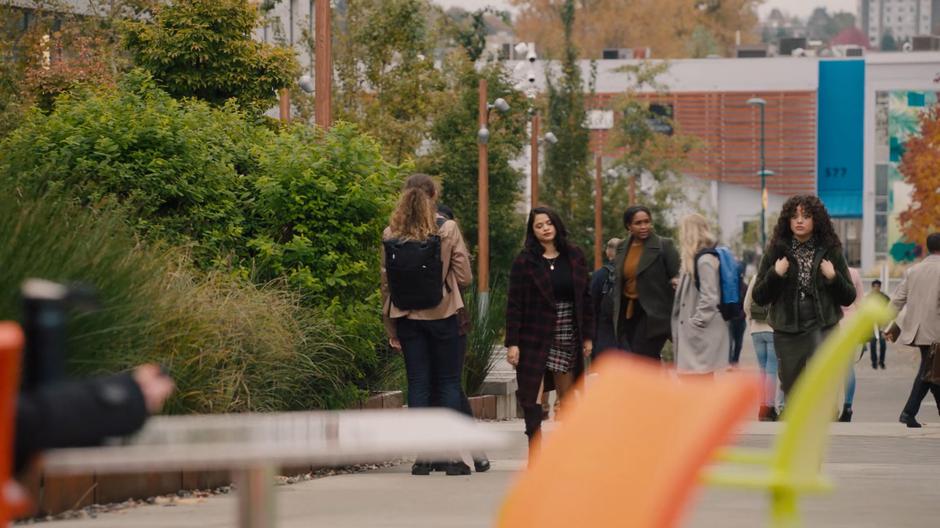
[875, 360]
[635, 333]
[433, 354]
[736, 328]
[921, 387]
[794, 349]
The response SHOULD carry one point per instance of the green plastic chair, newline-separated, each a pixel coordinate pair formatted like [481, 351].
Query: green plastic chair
[792, 466]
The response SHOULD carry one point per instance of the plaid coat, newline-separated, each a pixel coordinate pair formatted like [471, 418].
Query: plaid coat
[530, 316]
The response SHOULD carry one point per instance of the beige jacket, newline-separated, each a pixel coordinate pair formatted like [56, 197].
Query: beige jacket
[700, 338]
[457, 275]
[920, 293]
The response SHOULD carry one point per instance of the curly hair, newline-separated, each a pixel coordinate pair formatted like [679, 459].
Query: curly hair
[823, 229]
[414, 216]
[561, 234]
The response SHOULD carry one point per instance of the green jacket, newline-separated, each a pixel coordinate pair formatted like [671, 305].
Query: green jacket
[658, 265]
[782, 295]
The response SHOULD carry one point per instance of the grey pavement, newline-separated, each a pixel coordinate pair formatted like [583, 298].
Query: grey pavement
[886, 476]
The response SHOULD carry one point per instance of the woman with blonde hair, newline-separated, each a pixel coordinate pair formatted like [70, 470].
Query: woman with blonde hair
[699, 332]
[425, 263]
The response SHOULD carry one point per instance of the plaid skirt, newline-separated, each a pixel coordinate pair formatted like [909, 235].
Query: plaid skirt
[564, 347]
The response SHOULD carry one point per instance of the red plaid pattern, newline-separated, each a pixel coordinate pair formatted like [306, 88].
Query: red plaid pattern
[530, 317]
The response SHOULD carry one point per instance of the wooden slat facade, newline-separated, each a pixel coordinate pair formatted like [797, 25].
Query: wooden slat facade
[729, 130]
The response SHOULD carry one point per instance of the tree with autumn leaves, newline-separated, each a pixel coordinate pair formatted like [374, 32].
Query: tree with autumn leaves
[671, 28]
[919, 168]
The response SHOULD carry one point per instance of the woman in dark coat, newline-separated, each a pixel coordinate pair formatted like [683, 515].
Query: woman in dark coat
[549, 317]
[804, 280]
[639, 307]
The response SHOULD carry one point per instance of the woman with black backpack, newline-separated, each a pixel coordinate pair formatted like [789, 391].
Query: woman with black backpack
[425, 263]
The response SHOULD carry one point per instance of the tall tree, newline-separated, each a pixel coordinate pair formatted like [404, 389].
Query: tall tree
[567, 178]
[665, 26]
[453, 154]
[919, 168]
[652, 149]
[385, 74]
[204, 49]
[888, 42]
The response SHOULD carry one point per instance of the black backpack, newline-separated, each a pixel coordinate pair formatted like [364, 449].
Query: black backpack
[415, 271]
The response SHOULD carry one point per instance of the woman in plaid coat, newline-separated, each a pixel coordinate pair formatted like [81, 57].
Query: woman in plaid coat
[549, 316]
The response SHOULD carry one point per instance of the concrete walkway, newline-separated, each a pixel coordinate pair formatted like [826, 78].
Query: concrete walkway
[886, 474]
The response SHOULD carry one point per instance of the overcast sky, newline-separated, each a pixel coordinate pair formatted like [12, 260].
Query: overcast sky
[795, 7]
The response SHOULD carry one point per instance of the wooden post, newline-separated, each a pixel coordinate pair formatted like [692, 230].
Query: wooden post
[284, 105]
[323, 103]
[483, 210]
[598, 206]
[534, 183]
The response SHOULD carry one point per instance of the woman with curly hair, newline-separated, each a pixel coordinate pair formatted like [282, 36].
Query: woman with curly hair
[804, 280]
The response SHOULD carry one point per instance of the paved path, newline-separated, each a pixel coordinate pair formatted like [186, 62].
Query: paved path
[887, 476]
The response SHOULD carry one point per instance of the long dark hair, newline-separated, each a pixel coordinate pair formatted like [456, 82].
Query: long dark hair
[823, 229]
[532, 243]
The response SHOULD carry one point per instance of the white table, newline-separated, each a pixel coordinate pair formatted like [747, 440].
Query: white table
[253, 446]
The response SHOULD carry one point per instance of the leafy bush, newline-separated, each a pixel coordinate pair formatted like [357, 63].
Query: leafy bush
[323, 199]
[204, 49]
[180, 167]
[230, 345]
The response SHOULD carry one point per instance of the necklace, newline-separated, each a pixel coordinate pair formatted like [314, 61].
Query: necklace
[551, 262]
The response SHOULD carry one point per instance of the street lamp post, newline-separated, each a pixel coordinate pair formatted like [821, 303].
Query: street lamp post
[323, 57]
[598, 205]
[483, 193]
[535, 141]
[762, 104]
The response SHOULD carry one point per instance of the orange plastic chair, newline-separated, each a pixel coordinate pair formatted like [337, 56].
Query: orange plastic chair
[629, 452]
[13, 500]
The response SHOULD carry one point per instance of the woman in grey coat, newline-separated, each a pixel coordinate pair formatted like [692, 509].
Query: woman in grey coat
[699, 333]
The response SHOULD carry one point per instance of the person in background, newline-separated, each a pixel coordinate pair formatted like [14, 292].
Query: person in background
[805, 281]
[878, 336]
[480, 461]
[762, 335]
[919, 326]
[549, 317]
[846, 414]
[429, 338]
[647, 275]
[603, 281]
[737, 325]
[699, 332]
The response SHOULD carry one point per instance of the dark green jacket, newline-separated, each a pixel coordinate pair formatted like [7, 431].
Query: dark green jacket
[782, 294]
[658, 265]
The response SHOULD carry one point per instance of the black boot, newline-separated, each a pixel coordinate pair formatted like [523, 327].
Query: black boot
[908, 420]
[846, 415]
[533, 425]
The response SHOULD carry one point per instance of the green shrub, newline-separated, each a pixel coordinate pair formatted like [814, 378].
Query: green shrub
[323, 199]
[180, 167]
[230, 345]
[486, 332]
[204, 49]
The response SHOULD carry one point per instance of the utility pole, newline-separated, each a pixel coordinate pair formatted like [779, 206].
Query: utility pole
[534, 182]
[323, 104]
[598, 205]
[483, 210]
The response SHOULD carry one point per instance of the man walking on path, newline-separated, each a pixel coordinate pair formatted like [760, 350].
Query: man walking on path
[920, 325]
[878, 337]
